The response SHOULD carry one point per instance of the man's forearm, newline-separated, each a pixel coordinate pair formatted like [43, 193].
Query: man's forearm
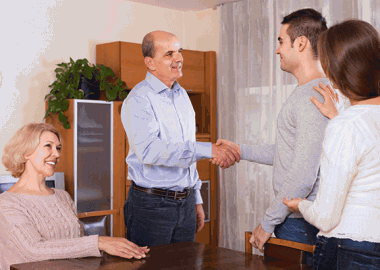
[162, 153]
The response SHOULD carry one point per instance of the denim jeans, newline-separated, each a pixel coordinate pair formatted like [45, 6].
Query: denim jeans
[298, 230]
[153, 220]
[334, 253]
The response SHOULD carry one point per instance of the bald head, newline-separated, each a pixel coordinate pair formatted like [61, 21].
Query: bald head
[148, 48]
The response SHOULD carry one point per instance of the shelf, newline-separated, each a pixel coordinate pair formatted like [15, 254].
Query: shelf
[87, 133]
[203, 136]
[193, 92]
[90, 149]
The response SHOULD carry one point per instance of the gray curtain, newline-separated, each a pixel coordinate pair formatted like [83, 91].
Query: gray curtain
[251, 90]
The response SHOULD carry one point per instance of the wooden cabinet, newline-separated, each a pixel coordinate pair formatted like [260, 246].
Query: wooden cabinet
[199, 80]
[93, 160]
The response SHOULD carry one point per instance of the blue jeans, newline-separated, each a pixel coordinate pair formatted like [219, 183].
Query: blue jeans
[334, 253]
[298, 230]
[153, 220]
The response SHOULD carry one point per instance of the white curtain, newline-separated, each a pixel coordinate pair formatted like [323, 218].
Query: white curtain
[251, 90]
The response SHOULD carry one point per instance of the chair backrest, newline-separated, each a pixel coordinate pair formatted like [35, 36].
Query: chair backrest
[99, 225]
[282, 249]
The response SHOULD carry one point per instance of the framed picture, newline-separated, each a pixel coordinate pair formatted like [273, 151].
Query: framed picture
[205, 193]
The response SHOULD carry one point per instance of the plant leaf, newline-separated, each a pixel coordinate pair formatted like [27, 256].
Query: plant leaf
[65, 105]
[123, 95]
[87, 72]
[62, 118]
[58, 70]
[111, 95]
[66, 125]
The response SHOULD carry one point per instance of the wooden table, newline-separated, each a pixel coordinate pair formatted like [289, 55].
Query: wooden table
[179, 256]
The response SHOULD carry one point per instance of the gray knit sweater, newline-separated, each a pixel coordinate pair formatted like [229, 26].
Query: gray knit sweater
[36, 228]
[295, 154]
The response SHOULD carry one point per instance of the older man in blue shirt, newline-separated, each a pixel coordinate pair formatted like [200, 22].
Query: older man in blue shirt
[164, 204]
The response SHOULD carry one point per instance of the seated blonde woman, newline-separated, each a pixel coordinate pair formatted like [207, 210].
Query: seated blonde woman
[40, 223]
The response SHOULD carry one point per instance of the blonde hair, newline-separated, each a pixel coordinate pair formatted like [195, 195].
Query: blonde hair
[23, 143]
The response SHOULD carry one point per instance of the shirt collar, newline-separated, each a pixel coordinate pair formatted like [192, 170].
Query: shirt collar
[158, 85]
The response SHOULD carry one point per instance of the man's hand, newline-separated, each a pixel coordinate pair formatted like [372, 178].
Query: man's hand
[200, 217]
[259, 238]
[329, 107]
[232, 148]
[292, 204]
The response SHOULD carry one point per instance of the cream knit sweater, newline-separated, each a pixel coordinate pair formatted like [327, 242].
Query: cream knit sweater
[347, 204]
[36, 228]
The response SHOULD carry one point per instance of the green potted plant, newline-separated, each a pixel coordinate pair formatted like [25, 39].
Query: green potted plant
[78, 80]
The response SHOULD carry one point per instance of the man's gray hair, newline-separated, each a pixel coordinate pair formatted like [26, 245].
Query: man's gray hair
[148, 49]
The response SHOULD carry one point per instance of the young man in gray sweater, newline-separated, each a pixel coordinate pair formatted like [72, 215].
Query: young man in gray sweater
[299, 133]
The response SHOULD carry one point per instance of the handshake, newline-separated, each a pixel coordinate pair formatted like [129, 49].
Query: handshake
[225, 153]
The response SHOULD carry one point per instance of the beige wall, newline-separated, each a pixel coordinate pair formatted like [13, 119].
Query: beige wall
[202, 30]
[38, 34]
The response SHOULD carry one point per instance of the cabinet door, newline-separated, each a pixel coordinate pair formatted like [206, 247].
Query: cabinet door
[193, 79]
[93, 157]
[133, 69]
[93, 160]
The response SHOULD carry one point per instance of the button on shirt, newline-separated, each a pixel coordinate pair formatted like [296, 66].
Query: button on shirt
[160, 126]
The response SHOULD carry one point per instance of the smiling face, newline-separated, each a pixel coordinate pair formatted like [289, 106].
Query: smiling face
[167, 62]
[286, 50]
[44, 159]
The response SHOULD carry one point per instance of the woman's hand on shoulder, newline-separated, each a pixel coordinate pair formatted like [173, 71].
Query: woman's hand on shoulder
[292, 204]
[121, 247]
[329, 107]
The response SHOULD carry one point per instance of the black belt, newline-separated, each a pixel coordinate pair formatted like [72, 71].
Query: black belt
[176, 195]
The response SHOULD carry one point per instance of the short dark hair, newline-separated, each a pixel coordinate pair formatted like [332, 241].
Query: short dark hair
[306, 22]
[350, 56]
[148, 49]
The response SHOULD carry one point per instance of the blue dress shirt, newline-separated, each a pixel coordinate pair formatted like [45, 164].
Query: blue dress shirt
[160, 126]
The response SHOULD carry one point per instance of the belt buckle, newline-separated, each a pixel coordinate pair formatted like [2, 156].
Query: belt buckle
[178, 193]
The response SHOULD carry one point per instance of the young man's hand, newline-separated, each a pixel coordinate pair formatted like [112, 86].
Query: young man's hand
[259, 238]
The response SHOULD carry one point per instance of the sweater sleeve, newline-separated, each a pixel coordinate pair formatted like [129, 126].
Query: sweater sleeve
[339, 165]
[299, 181]
[29, 243]
[262, 154]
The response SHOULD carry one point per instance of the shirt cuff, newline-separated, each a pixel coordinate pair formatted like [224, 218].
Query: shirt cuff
[203, 150]
[198, 197]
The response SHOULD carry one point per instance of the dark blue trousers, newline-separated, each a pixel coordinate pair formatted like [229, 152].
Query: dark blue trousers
[334, 253]
[153, 220]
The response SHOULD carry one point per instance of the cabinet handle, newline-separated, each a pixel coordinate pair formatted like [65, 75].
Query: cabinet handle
[189, 90]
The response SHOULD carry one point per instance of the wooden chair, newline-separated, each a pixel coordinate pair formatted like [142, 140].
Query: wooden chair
[280, 249]
[99, 225]
[98, 222]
